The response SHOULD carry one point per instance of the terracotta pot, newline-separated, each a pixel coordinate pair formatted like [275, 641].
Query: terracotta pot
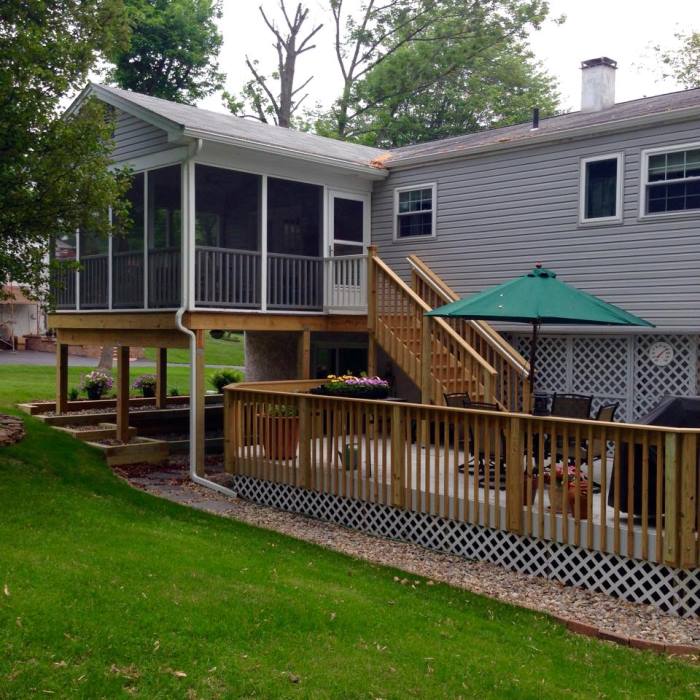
[533, 495]
[582, 500]
[280, 436]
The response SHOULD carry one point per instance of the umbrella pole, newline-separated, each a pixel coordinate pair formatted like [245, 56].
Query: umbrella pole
[533, 360]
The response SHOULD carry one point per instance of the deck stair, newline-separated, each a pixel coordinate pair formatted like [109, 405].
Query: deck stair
[440, 356]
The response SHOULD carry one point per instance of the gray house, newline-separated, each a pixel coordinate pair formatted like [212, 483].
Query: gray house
[245, 226]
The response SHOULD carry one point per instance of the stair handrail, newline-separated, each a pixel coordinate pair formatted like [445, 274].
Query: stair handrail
[484, 329]
[440, 322]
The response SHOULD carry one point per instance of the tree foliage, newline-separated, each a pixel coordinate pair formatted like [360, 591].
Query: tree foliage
[414, 70]
[682, 63]
[276, 97]
[54, 175]
[173, 49]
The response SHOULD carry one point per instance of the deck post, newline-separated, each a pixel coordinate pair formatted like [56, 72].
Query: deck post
[398, 454]
[426, 352]
[371, 289]
[232, 432]
[197, 402]
[305, 419]
[123, 393]
[672, 485]
[514, 477]
[304, 355]
[688, 479]
[61, 377]
[372, 356]
[161, 377]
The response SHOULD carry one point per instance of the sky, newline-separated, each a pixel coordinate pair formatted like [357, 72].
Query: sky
[624, 30]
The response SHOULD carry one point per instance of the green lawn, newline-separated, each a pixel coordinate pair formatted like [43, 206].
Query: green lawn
[106, 591]
[225, 351]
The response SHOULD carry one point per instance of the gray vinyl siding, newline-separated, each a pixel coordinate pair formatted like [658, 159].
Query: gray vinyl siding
[134, 137]
[499, 214]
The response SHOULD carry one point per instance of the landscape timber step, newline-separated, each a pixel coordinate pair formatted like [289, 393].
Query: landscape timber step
[211, 446]
[138, 450]
[39, 407]
[103, 431]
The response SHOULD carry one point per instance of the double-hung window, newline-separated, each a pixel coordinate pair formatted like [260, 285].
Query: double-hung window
[414, 211]
[601, 189]
[671, 180]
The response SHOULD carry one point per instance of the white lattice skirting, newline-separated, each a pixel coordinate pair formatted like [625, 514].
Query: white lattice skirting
[674, 590]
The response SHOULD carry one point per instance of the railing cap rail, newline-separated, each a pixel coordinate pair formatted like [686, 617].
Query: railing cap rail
[265, 388]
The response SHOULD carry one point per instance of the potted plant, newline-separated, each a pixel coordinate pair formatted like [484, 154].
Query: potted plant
[96, 383]
[582, 498]
[223, 377]
[279, 427]
[534, 479]
[562, 479]
[349, 386]
[147, 384]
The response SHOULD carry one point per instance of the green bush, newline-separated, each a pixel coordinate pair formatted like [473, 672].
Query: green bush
[225, 376]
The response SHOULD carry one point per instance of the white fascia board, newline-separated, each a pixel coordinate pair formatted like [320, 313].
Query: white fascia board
[357, 168]
[672, 116]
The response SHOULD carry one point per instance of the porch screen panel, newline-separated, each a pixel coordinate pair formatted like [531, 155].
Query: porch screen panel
[227, 233]
[164, 237]
[63, 275]
[94, 271]
[127, 253]
[294, 244]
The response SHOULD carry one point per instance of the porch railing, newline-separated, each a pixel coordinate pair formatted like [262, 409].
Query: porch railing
[127, 280]
[611, 487]
[346, 283]
[227, 278]
[94, 281]
[164, 277]
[63, 287]
[294, 282]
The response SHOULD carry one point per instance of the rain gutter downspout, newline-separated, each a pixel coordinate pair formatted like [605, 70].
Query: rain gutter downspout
[188, 305]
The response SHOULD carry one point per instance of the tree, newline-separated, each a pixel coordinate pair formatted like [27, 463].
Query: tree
[54, 175]
[418, 69]
[683, 62]
[173, 49]
[258, 99]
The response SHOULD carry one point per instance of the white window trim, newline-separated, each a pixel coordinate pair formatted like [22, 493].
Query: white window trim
[644, 181]
[409, 188]
[601, 220]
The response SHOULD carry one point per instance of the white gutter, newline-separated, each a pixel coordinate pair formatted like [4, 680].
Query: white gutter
[188, 305]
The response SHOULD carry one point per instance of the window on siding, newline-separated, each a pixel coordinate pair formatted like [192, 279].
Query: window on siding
[601, 181]
[415, 210]
[673, 181]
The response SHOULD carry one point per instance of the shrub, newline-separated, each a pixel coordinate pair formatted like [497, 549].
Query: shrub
[174, 391]
[225, 376]
[73, 394]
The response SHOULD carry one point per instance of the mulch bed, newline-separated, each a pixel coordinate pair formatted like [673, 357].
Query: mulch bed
[11, 430]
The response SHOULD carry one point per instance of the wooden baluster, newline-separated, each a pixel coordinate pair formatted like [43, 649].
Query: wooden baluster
[688, 492]
[617, 465]
[631, 438]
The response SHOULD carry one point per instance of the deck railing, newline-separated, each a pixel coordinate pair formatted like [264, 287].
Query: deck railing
[294, 282]
[495, 469]
[164, 277]
[63, 287]
[227, 278]
[127, 280]
[94, 281]
[346, 283]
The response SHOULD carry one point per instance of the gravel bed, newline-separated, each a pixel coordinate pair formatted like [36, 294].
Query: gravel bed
[112, 409]
[643, 622]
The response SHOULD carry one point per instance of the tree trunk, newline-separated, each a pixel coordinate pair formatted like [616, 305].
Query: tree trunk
[106, 358]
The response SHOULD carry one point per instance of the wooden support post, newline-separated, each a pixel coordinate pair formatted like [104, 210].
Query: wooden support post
[672, 485]
[398, 457]
[197, 402]
[61, 377]
[161, 377]
[123, 393]
[231, 432]
[689, 484]
[371, 289]
[514, 477]
[372, 356]
[426, 353]
[305, 423]
[304, 355]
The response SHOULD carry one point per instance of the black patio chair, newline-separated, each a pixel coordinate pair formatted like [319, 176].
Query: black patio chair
[571, 405]
[457, 400]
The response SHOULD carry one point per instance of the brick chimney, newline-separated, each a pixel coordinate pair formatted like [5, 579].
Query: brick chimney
[597, 84]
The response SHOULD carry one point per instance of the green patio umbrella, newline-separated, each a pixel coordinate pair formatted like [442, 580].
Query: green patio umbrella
[539, 298]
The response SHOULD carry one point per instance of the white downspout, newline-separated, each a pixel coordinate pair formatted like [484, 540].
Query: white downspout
[187, 304]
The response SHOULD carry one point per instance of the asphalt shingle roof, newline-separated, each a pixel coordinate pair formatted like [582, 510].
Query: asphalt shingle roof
[518, 134]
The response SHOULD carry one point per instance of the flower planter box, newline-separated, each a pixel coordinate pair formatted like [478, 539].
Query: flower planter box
[377, 393]
[140, 449]
[103, 431]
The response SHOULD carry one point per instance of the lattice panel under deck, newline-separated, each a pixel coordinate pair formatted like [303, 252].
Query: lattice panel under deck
[673, 590]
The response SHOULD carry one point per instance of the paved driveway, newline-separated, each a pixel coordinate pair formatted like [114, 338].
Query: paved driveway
[31, 357]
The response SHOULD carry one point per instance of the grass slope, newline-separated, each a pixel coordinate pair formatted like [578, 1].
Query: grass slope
[228, 350]
[106, 591]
